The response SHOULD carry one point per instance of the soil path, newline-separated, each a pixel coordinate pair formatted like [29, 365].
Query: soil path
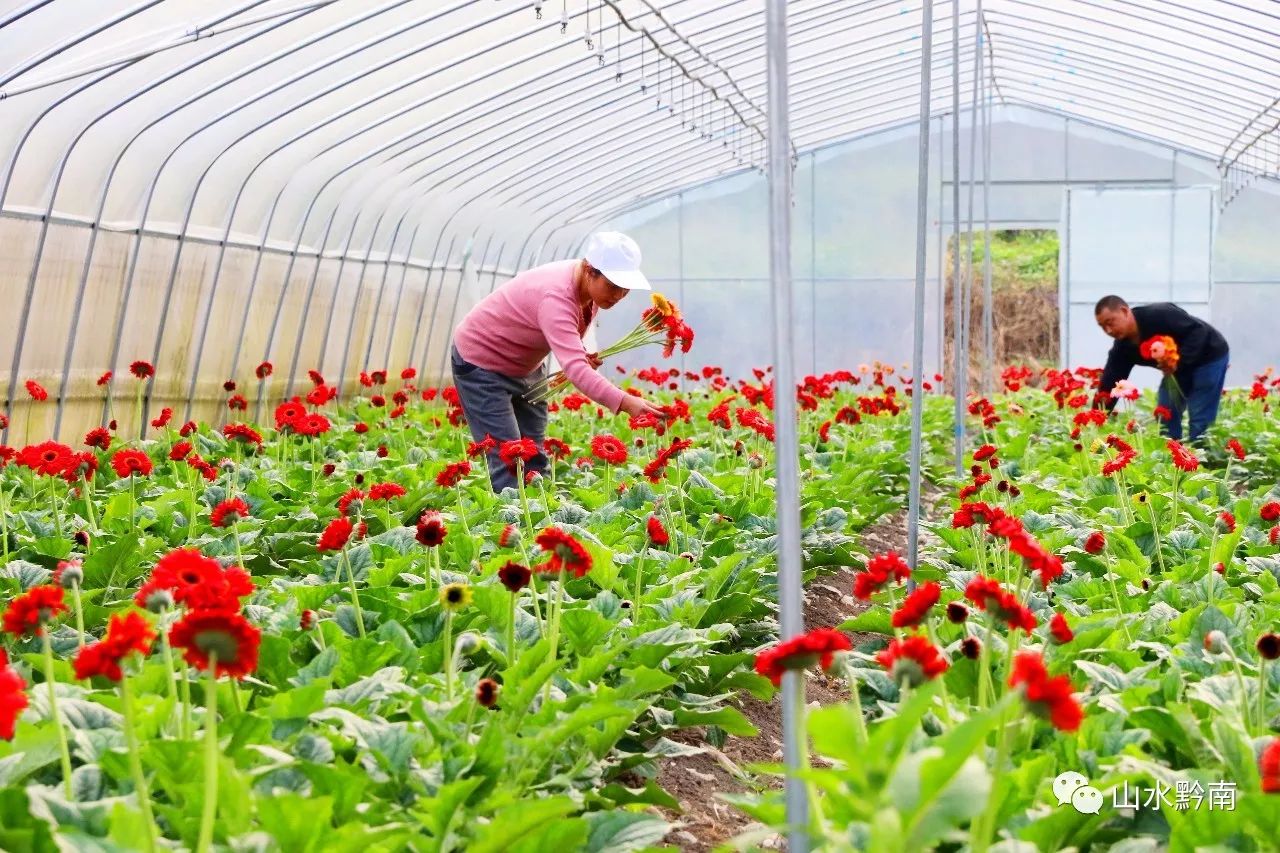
[694, 781]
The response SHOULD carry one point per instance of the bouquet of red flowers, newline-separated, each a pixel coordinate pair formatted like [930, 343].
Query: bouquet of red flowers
[1163, 350]
[660, 323]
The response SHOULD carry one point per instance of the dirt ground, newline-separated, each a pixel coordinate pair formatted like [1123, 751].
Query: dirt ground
[694, 781]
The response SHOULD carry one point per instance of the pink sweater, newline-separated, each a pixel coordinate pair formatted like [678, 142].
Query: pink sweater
[512, 330]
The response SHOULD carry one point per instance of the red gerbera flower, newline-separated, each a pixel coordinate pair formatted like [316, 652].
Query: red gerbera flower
[986, 451]
[1046, 696]
[881, 569]
[802, 651]
[142, 369]
[335, 536]
[162, 420]
[567, 554]
[509, 536]
[987, 594]
[13, 697]
[288, 412]
[229, 511]
[431, 529]
[1227, 521]
[1270, 511]
[1162, 413]
[99, 437]
[1182, 458]
[36, 390]
[311, 424]
[452, 474]
[1060, 630]
[126, 634]
[556, 449]
[242, 433]
[262, 371]
[197, 581]
[104, 378]
[48, 458]
[914, 660]
[514, 576]
[609, 449]
[916, 607]
[657, 533]
[1095, 543]
[29, 612]
[519, 450]
[1236, 448]
[130, 462]
[223, 637]
[480, 448]
[385, 491]
[1268, 767]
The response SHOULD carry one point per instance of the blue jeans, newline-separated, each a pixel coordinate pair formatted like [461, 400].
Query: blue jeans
[1201, 395]
[495, 405]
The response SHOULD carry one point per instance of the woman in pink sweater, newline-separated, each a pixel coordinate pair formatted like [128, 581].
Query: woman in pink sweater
[500, 347]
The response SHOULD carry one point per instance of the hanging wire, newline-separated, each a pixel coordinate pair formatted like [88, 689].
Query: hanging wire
[617, 52]
[564, 17]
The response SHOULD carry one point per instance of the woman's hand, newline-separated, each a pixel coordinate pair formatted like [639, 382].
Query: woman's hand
[594, 359]
[638, 405]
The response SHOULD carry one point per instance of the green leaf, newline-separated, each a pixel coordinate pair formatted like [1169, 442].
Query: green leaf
[729, 719]
[584, 628]
[621, 832]
[518, 820]
[651, 795]
[295, 822]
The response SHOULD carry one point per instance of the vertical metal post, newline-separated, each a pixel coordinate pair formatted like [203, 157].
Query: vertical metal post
[790, 577]
[966, 318]
[922, 235]
[988, 306]
[960, 379]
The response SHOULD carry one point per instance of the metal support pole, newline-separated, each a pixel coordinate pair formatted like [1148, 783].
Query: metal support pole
[922, 238]
[790, 573]
[960, 379]
[988, 306]
[966, 318]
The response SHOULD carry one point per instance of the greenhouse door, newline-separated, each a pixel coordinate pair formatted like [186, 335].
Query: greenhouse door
[1143, 244]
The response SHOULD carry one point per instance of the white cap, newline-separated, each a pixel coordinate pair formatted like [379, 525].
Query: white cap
[618, 258]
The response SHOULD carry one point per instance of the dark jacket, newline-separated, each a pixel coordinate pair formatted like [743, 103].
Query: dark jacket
[1198, 344]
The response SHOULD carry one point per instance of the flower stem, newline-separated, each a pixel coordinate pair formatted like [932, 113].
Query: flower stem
[511, 631]
[75, 596]
[1155, 530]
[448, 654]
[210, 757]
[1262, 695]
[64, 753]
[135, 762]
[355, 596]
[635, 600]
[982, 836]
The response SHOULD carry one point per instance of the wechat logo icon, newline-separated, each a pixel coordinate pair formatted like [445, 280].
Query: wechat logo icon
[1074, 788]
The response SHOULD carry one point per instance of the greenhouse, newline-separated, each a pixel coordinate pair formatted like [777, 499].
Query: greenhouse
[925, 496]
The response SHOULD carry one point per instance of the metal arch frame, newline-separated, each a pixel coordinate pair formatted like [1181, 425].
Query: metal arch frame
[1069, 39]
[19, 14]
[365, 129]
[53, 195]
[1032, 53]
[67, 44]
[363, 72]
[136, 244]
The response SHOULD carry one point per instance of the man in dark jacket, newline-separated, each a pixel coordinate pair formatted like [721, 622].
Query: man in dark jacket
[1202, 364]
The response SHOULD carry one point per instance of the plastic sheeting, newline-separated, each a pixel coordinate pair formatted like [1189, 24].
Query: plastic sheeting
[306, 180]
[1145, 224]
